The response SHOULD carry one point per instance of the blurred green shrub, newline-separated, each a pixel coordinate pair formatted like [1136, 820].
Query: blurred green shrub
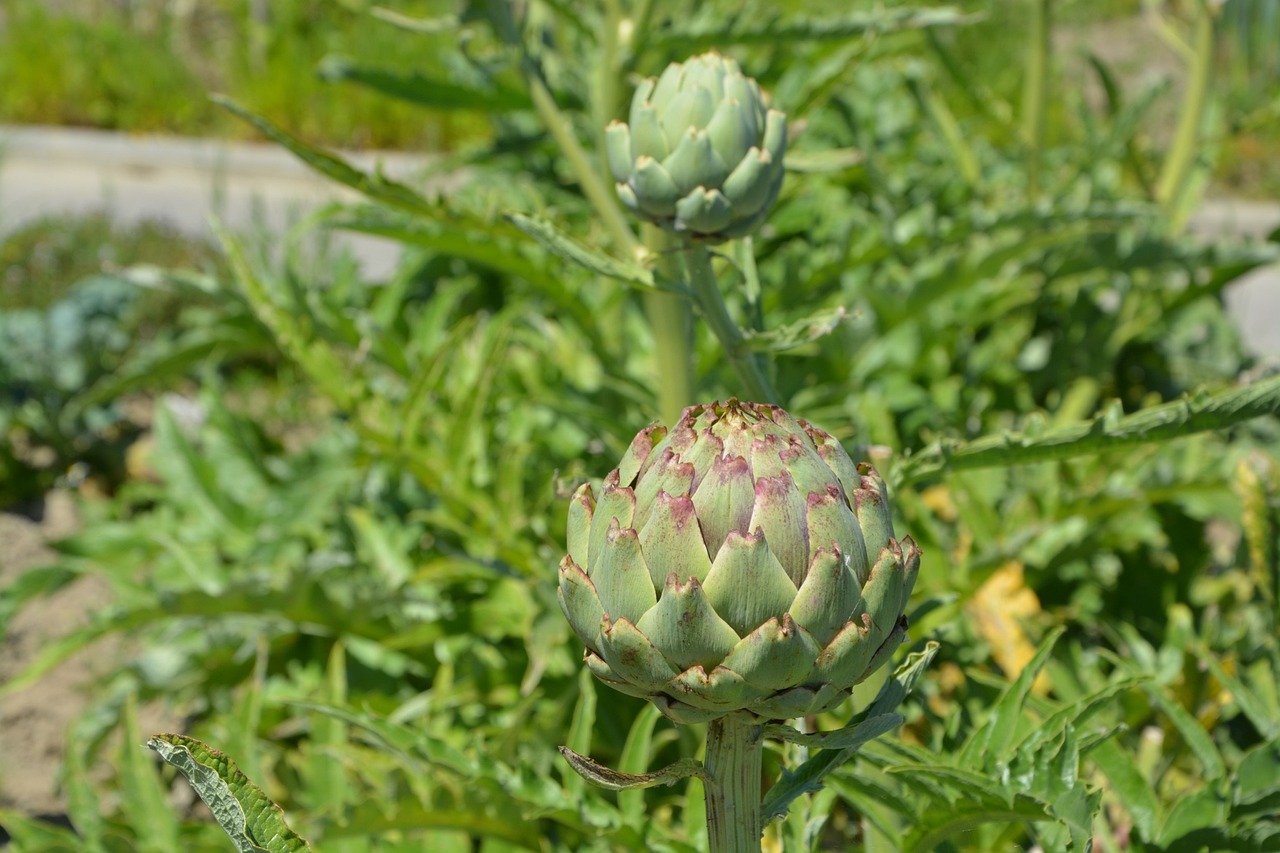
[148, 67]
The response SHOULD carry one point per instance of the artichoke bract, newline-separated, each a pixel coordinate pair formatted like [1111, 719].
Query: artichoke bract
[739, 562]
[702, 154]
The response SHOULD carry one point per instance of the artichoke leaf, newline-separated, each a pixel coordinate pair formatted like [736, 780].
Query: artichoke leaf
[581, 605]
[615, 505]
[617, 144]
[724, 500]
[833, 524]
[828, 597]
[703, 212]
[721, 689]
[694, 163]
[846, 657]
[672, 542]
[776, 656]
[581, 506]
[647, 138]
[635, 659]
[621, 577]
[747, 585]
[787, 705]
[780, 511]
[655, 191]
[684, 627]
[605, 673]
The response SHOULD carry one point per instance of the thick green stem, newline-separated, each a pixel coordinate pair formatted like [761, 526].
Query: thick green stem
[671, 320]
[735, 749]
[706, 290]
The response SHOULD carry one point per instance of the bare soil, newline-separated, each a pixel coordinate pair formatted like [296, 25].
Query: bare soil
[34, 721]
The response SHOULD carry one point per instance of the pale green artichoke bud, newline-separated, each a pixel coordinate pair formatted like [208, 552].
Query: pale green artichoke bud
[702, 155]
[740, 561]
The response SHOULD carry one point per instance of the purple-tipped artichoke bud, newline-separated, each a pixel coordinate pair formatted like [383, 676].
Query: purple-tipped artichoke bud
[701, 153]
[739, 561]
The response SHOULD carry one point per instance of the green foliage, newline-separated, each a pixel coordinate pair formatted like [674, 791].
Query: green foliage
[241, 808]
[148, 67]
[338, 560]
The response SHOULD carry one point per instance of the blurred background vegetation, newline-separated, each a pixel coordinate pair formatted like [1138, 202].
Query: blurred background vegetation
[146, 66]
[323, 512]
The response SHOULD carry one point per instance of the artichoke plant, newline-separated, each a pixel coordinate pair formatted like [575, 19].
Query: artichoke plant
[702, 153]
[740, 562]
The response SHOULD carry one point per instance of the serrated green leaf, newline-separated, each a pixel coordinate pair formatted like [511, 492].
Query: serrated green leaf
[1076, 713]
[904, 680]
[422, 90]
[846, 738]
[983, 789]
[1199, 810]
[29, 833]
[410, 745]
[873, 798]
[1133, 792]
[796, 334]
[251, 820]
[943, 823]
[1164, 422]
[1258, 774]
[995, 740]
[721, 31]
[808, 777]
[1252, 706]
[826, 160]
[1197, 739]
[563, 246]
[374, 185]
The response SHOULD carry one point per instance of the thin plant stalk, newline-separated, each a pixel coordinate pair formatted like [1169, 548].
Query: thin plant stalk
[584, 169]
[706, 290]
[735, 751]
[1182, 156]
[1035, 90]
[605, 89]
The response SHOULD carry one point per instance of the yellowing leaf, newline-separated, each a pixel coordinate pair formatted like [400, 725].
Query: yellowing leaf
[938, 500]
[997, 609]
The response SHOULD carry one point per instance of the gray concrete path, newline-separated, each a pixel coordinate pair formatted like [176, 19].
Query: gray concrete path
[1254, 301]
[57, 170]
[183, 182]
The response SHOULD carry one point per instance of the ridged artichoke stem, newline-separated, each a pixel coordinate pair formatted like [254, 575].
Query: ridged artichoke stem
[702, 279]
[671, 320]
[735, 750]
